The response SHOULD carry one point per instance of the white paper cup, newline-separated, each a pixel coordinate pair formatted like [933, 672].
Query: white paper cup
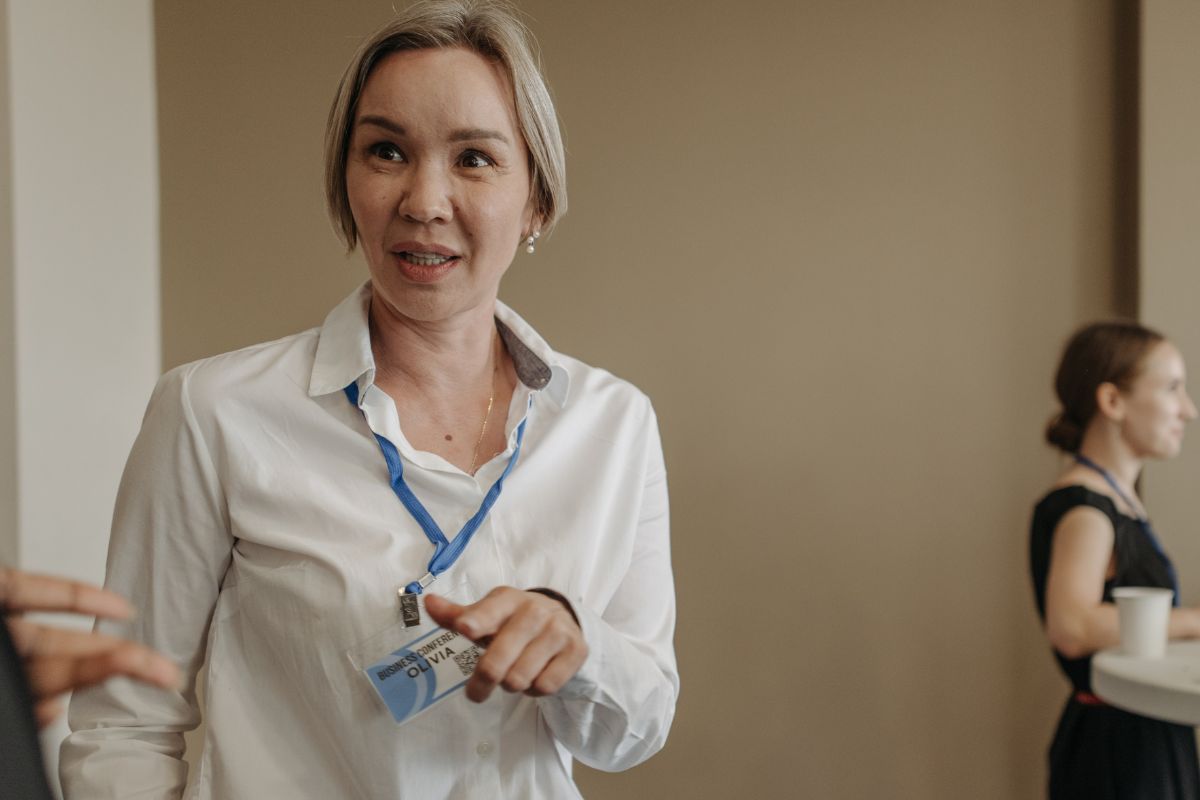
[1143, 613]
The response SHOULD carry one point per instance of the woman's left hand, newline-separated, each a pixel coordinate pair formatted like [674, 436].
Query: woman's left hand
[533, 643]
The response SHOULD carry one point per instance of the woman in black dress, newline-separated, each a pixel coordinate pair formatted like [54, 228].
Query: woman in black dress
[1124, 401]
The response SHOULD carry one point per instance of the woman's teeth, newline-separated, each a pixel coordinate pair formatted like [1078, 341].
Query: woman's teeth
[425, 259]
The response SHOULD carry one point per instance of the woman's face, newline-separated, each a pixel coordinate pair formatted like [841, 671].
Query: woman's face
[438, 180]
[1157, 404]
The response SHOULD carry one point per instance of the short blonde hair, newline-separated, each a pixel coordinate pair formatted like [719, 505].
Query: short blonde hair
[493, 30]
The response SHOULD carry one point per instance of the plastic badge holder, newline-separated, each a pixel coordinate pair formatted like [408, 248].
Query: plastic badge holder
[413, 669]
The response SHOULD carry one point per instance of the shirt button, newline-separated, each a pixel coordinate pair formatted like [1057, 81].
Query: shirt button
[483, 748]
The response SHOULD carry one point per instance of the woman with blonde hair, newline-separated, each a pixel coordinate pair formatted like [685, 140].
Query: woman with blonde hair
[423, 463]
[1124, 401]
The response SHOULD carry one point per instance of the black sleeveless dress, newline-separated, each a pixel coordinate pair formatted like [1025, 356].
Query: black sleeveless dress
[1100, 752]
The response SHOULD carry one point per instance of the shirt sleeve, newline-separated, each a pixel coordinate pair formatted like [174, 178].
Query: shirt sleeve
[168, 553]
[617, 710]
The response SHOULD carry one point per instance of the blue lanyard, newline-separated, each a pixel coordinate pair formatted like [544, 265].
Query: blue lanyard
[1142, 521]
[445, 552]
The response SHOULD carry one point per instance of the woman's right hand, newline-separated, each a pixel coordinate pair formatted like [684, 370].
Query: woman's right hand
[534, 644]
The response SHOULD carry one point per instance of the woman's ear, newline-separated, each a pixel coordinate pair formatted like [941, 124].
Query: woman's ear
[1110, 401]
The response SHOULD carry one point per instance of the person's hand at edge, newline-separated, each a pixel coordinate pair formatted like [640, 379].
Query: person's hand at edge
[58, 660]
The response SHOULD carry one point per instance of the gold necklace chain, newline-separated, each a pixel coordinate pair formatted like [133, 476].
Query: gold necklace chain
[487, 416]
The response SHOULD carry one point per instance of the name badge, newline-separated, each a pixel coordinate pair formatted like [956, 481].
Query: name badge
[413, 663]
[416, 676]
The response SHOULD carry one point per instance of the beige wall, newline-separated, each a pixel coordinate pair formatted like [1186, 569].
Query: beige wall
[1170, 242]
[839, 244]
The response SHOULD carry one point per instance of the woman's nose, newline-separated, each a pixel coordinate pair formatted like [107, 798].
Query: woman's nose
[426, 198]
[1189, 408]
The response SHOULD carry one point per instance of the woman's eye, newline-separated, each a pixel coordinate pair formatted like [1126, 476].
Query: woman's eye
[474, 159]
[387, 152]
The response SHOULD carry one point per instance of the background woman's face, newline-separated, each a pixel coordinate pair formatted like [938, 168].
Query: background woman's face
[438, 179]
[1158, 404]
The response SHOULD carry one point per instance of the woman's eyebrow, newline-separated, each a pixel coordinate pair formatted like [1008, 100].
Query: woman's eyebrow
[381, 122]
[461, 135]
[474, 134]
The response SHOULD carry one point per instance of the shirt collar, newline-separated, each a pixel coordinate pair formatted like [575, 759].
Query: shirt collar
[344, 347]
[344, 352]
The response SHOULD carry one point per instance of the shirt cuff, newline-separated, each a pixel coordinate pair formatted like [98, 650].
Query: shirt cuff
[586, 682]
[557, 596]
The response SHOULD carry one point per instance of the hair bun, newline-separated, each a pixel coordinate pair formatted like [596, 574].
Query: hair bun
[1064, 433]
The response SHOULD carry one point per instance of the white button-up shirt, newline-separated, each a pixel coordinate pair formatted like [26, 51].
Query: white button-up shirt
[255, 522]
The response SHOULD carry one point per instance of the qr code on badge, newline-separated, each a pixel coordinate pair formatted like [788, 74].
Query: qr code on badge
[467, 659]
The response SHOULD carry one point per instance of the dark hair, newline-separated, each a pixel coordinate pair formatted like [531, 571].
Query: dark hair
[1099, 353]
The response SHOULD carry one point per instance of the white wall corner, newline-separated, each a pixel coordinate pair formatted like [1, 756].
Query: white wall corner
[9, 553]
[80, 347]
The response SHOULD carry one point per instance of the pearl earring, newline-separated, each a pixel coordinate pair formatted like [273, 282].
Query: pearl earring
[531, 241]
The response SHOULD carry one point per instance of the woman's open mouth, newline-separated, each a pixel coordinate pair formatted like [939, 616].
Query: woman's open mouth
[425, 259]
[421, 266]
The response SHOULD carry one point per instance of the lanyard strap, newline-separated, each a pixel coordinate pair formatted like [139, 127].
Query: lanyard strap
[1142, 521]
[445, 552]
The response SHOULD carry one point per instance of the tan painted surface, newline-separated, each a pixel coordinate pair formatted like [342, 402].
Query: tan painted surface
[839, 244]
[1170, 250]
